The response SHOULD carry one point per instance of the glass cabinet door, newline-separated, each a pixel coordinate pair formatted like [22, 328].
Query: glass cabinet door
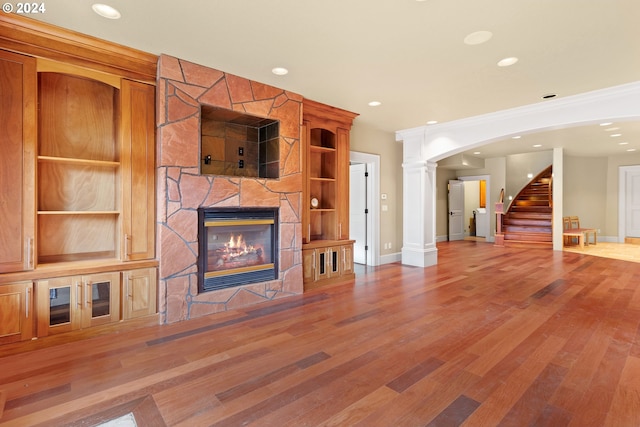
[101, 299]
[68, 303]
[58, 305]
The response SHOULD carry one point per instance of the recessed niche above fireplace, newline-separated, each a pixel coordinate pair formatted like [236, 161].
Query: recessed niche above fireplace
[238, 144]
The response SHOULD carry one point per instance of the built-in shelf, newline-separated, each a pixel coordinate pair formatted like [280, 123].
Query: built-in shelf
[79, 162]
[78, 213]
[323, 179]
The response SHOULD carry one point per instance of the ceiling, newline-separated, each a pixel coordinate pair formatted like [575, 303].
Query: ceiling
[409, 55]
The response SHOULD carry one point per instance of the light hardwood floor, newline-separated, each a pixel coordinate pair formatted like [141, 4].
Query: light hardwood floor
[623, 251]
[491, 336]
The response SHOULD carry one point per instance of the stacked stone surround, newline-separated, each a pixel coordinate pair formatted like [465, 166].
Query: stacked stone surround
[182, 87]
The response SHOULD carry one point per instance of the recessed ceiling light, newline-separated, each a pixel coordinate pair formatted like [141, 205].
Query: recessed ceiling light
[537, 146]
[505, 62]
[476, 152]
[549, 96]
[631, 149]
[374, 103]
[478, 37]
[516, 137]
[279, 71]
[610, 129]
[615, 135]
[623, 143]
[106, 11]
[432, 122]
[606, 124]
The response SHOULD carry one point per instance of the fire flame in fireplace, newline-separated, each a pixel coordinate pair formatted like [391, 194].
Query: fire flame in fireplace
[235, 253]
[236, 246]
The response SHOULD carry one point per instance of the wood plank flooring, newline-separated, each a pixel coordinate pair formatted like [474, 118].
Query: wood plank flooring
[491, 336]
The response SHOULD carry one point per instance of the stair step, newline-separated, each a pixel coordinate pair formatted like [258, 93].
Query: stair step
[532, 202]
[526, 244]
[528, 237]
[531, 222]
[526, 229]
[531, 208]
[528, 213]
[543, 195]
[534, 192]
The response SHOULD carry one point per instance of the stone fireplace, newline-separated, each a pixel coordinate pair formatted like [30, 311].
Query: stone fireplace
[184, 188]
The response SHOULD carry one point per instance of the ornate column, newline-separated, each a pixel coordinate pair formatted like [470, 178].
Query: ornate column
[419, 204]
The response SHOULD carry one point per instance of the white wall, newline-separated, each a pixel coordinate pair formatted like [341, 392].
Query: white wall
[585, 191]
[367, 139]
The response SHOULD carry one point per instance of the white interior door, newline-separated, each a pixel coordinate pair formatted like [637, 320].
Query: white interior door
[456, 209]
[358, 211]
[632, 226]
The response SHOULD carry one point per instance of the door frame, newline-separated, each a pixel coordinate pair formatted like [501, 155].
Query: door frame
[490, 237]
[451, 218]
[622, 199]
[358, 173]
[373, 200]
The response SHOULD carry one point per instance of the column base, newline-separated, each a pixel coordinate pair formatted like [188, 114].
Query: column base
[420, 257]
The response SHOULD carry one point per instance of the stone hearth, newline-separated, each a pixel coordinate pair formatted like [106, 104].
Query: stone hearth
[182, 87]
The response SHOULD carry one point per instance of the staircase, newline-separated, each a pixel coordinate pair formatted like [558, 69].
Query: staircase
[528, 221]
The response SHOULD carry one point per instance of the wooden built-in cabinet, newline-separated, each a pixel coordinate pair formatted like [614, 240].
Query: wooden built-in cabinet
[77, 181]
[322, 264]
[68, 303]
[327, 250]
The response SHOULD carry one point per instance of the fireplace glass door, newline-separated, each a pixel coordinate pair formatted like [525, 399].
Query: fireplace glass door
[237, 247]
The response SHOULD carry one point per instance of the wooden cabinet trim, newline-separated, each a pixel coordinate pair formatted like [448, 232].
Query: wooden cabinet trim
[29, 36]
[45, 271]
[18, 163]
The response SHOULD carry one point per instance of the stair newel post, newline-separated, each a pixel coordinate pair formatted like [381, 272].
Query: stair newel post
[499, 240]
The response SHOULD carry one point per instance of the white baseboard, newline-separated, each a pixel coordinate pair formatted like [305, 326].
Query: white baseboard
[390, 258]
[445, 238]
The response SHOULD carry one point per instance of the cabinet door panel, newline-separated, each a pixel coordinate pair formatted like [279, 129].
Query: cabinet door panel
[138, 167]
[59, 302]
[101, 299]
[309, 265]
[347, 259]
[18, 85]
[140, 290]
[16, 312]
[342, 199]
